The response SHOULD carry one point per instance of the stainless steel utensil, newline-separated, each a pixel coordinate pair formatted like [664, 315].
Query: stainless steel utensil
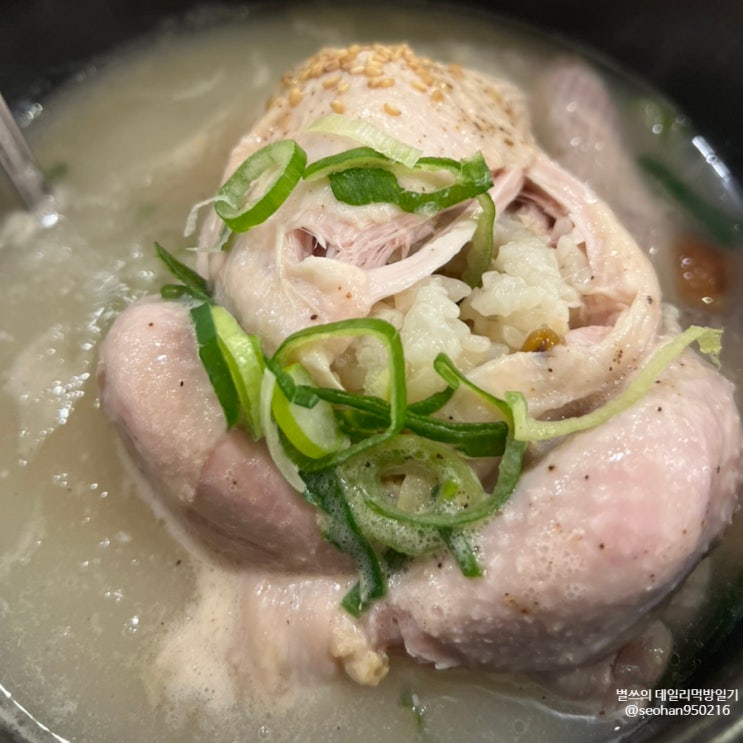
[24, 172]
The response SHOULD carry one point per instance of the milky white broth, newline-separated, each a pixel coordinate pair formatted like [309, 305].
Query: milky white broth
[96, 596]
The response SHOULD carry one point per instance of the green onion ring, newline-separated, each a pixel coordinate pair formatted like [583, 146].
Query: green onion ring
[302, 395]
[273, 171]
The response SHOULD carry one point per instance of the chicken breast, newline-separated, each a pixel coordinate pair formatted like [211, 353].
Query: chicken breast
[602, 526]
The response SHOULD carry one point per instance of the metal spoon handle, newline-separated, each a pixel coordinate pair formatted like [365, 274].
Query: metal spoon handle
[18, 161]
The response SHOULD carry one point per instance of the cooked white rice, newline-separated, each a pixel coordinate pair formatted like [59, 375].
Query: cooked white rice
[531, 286]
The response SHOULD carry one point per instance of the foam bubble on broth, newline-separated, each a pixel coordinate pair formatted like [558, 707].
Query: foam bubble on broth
[134, 635]
[191, 667]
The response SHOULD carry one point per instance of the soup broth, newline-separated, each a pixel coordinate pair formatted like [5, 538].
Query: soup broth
[110, 629]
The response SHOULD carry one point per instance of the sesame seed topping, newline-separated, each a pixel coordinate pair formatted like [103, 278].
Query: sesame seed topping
[326, 77]
[369, 61]
[376, 82]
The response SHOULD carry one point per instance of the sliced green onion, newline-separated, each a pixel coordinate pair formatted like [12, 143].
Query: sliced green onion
[194, 285]
[225, 241]
[285, 464]
[370, 185]
[313, 431]
[432, 403]
[371, 420]
[448, 488]
[260, 185]
[346, 328]
[531, 429]
[363, 415]
[439, 163]
[360, 157]
[462, 552]
[367, 134]
[508, 477]
[325, 491]
[190, 227]
[454, 378]
[214, 362]
[441, 481]
[471, 439]
[479, 255]
[353, 603]
[473, 170]
[509, 468]
[244, 357]
[474, 505]
[362, 186]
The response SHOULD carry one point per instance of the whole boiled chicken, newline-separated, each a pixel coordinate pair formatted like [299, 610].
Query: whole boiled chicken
[604, 522]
